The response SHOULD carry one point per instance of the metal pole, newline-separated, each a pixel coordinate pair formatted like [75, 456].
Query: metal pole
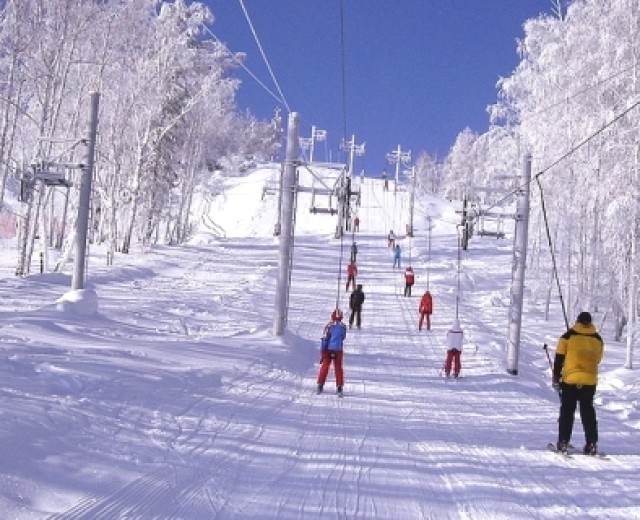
[84, 201]
[429, 251]
[278, 226]
[397, 169]
[632, 303]
[458, 274]
[352, 152]
[412, 199]
[286, 237]
[313, 138]
[519, 266]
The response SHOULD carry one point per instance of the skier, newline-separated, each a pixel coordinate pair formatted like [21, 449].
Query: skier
[332, 341]
[352, 271]
[396, 256]
[409, 280]
[455, 338]
[386, 180]
[354, 252]
[425, 309]
[356, 224]
[575, 376]
[391, 239]
[355, 304]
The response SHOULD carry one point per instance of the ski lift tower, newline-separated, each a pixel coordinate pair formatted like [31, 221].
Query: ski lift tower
[398, 157]
[353, 149]
[308, 143]
[411, 174]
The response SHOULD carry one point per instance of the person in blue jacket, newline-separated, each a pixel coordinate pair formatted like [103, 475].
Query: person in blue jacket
[332, 339]
[396, 256]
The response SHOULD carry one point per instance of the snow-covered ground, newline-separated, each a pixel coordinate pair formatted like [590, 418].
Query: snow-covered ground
[176, 401]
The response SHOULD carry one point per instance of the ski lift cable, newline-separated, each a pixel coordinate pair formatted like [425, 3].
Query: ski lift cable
[567, 154]
[458, 269]
[429, 253]
[247, 70]
[589, 138]
[343, 62]
[344, 123]
[582, 91]
[339, 229]
[552, 253]
[264, 56]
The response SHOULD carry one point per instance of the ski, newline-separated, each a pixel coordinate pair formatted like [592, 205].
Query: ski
[599, 455]
[571, 451]
[565, 453]
[320, 391]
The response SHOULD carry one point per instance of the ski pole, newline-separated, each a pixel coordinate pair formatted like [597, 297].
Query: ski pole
[544, 347]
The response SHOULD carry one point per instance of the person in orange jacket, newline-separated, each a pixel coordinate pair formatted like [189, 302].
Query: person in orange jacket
[409, 280]
[425, 309]
[352, 271]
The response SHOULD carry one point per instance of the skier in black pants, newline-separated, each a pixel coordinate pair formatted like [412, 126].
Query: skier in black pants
[355, 304]
[575, 375]
[354, 252]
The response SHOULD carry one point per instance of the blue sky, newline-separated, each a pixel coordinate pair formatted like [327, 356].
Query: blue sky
[417, 72]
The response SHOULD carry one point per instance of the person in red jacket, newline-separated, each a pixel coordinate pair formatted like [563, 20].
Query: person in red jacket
[356, 223]
[409, 280]
[352, 271]
[425, 309]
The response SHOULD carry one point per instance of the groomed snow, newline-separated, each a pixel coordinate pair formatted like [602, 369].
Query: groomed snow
[169, 397]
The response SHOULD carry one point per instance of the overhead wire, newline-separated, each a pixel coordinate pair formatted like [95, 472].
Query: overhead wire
[585, 141]
[552, 251]
[458, 269]
[247, 70]
[582, 91]
[344, 124]
[570, 152]
[344, 67]
[264, 56]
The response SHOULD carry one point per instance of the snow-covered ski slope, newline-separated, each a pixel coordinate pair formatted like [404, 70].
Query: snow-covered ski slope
[176, 401]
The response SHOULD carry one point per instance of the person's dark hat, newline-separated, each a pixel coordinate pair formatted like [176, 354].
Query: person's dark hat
[584, 318]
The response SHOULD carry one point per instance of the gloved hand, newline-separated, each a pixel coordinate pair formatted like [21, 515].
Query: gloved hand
[556, 384]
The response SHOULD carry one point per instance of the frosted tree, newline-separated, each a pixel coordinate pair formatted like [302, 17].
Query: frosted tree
[458, 170]
[428, 174]
[567, 101]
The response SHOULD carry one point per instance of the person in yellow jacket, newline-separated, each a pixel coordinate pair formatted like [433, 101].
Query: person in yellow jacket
[575, 376]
